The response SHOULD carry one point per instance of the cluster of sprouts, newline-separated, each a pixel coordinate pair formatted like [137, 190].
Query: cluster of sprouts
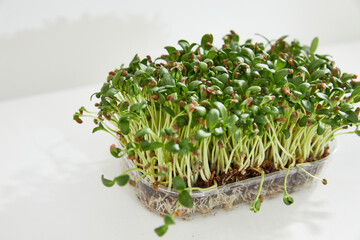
[201, 111]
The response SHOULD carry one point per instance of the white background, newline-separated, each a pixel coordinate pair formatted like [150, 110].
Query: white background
[54, 54]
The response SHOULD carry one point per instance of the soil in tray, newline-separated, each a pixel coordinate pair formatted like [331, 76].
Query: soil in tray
[234, 175]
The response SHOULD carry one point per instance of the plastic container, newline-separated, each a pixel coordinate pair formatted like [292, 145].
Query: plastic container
[162, 201]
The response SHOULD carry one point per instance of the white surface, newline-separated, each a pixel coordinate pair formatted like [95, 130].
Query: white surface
[50, 184]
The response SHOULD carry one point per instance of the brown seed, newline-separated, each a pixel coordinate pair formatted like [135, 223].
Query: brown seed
[155, 97]
[321, 85]
[261, 197]
[295, 115]
[155, 185]
[248, 101]
[182, 103]
[324, 181]
[124, 73]
[162, 168]
[318, 107]
[79, 121]
[152, 154]
[131, 157]
[178, 213]
[196, 152]
[112, 147]
[191, 108]
[148, 58]
[170, 98]
[233, 101]
[195, 103]
[112, 73]
[147, 166]
[336, 108]
[220, 144]
[209, 44]
[357, 111]
[132, 183]
[282, 119]
[107, 116]
[286, 90]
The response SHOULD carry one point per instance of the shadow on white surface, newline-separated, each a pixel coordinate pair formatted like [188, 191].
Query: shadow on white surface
[70, 53]
[274, 221]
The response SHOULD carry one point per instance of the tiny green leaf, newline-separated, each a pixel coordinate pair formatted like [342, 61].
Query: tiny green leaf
[220, 69]
[222, 109]
[288, 200]
[201, 110]
[179, 183]
[303, 121]
[286, 133]
[185, 199]
[324, 112]
[352, 116]
[309, 107]
[160, 231]
[122, 180]
[211, 54]
[346, 107]
[321, 128]
[260, 119]
[314, 45]
[107, 182]
[124, 126]
[169, 220]
[212, 118]
[168, 111]
[280, 75]
[172, 147]
[142, 132]
[193, 85]
[347, 76]
[201, 134]
[252, 89]
[98, 128]
[280, 64]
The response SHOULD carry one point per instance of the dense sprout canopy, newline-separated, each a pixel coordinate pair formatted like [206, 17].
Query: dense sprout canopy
[200, 116]
[201, 109]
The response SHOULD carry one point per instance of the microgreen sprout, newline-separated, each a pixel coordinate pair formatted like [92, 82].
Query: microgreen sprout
[323, 181]
[198, 113]
[287, 199]
[255, 206]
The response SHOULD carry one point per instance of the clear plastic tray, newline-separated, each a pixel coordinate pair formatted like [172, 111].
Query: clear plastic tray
[163, 201]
